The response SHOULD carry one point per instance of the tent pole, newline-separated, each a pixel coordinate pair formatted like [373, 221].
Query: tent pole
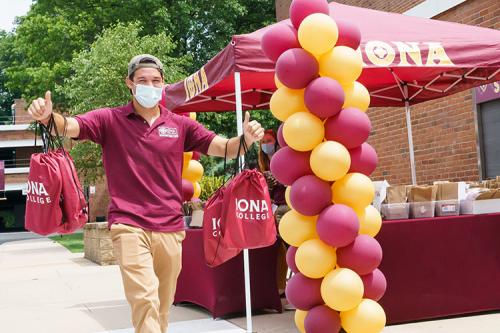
[246, 260]
[410, 136]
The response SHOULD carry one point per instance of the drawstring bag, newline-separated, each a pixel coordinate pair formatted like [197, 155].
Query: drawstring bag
[215, 248]
[55, 202]
[247, 212]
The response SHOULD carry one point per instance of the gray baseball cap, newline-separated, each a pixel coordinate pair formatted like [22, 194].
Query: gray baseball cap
[144, 61]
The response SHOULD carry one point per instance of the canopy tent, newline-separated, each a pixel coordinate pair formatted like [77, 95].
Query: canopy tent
[407, 60]
[430, 58]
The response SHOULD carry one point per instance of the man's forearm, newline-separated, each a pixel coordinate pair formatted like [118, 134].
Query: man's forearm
[233, 146]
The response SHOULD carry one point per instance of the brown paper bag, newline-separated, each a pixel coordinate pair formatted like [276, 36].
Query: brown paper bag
[396, 194]
[447, 191]
[422, 193]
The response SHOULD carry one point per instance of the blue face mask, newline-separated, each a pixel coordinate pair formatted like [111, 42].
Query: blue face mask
[268, 148]
[147, 96]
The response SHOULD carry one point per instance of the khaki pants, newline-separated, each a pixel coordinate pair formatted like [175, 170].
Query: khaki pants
[150, 263]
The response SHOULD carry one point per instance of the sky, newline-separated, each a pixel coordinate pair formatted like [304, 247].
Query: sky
[9, 9]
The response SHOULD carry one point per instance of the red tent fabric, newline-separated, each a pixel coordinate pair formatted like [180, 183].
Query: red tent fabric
[432, 58]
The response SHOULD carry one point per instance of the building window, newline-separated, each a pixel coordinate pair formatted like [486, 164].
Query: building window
[489, 137]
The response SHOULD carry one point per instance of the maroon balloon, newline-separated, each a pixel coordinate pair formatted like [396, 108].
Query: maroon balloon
[338, 225]
[362, 256]
[277, 39]
[187, 190]
[296, 68]
[351, 127]
[304, 293]
[196, 155]
[363, 159]
[324, 97]
[310, 195]
[282, 161]
[349, 34]
[322, 319]
[375, 285]
[281, 138]
[290, 259]
[300, 9]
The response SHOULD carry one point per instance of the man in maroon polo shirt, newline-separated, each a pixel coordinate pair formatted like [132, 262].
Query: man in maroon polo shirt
[142, 152]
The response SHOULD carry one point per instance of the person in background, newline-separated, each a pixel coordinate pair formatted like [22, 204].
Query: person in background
[267, 148]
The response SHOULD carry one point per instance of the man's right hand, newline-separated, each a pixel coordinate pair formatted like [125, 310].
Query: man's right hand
[41, 109]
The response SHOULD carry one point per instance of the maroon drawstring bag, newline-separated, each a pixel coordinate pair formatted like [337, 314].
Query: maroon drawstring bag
[216, 250]
[247, 212]
[248, 217]
[55, 201]
[43, 211]
[73, 205]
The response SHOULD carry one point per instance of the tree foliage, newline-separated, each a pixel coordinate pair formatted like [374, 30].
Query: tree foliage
[79, 48]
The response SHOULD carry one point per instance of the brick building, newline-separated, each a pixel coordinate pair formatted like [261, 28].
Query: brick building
[454, 137]
[16, 146]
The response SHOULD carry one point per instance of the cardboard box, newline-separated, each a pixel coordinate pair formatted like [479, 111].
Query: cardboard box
[396, 211]
[480, 206]
[420, 210]
[481, 202]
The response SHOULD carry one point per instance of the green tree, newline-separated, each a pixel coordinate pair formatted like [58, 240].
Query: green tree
[7, 56]
[53, 31]
[98, 80]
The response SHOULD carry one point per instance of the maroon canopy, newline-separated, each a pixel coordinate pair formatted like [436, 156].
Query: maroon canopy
[433, 58]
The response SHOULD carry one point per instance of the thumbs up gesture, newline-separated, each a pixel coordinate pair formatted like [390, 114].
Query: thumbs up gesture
[41, 108]
[252, 130]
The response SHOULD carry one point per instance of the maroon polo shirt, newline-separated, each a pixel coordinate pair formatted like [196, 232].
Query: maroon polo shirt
[143, 163]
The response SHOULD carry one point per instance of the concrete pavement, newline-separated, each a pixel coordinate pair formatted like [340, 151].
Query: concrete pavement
[46, 288]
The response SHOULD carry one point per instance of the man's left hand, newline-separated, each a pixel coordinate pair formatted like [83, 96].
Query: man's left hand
[252, 130]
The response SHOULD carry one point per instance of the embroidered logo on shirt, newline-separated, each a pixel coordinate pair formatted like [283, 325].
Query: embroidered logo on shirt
[168, 132]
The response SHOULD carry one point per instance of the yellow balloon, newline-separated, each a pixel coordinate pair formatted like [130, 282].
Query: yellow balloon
[295, 228]
[330, 160]
[315, 258]
[303, 131]
[287, 196]
[318, 33]
[277, 82]
[192, 115]
[187, 157]
[355, 190]
[285, 102]
[342, 289]
[356, 96]
[342, 64]
[370, 221]
[193, 172]
[197, 190]
[300, 317]
[367, 317]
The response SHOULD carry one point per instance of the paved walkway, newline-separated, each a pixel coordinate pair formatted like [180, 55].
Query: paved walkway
[46, 289]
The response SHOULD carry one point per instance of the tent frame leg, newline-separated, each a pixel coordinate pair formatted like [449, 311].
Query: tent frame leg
[246, 259]
[410, 136]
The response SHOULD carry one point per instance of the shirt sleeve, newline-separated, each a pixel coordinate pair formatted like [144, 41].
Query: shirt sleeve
[92, 125]
[198, 138]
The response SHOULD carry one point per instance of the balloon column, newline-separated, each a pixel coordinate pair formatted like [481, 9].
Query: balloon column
[192, 171]
[326, 163]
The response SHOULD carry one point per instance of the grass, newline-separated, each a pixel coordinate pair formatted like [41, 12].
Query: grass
[73, 242]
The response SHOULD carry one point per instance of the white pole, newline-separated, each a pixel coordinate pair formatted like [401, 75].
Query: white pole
[410, 137]
[246, 259]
